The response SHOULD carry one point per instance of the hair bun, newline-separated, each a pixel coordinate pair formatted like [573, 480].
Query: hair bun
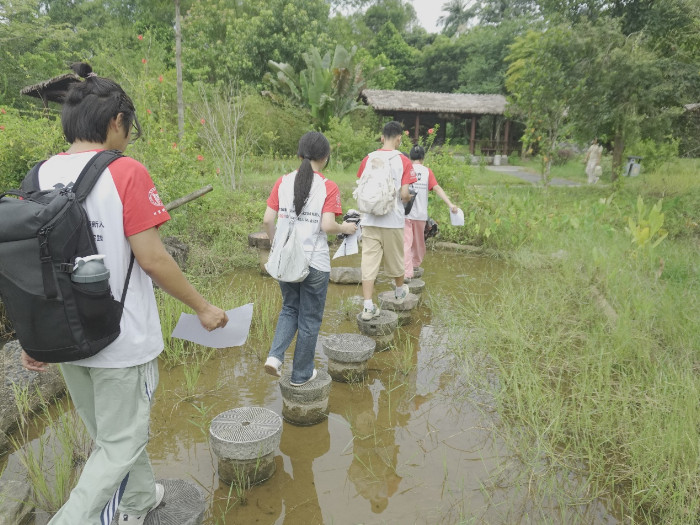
[81, 69]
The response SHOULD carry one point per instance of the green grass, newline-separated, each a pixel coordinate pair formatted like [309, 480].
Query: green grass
[611, 399]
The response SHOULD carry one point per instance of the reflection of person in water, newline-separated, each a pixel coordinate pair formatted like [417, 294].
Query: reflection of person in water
[375, 452]
[289, 491]
[302, 445]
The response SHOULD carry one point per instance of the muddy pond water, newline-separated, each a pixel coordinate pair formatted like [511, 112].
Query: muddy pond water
[411, 444]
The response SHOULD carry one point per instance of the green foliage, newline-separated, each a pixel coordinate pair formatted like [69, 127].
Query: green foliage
[278, 127]
[646, 231]
[327, 87]
[32, 49]
[24, 141]
[235, 40]
[543, 83]
[654, 153]
[389, 42]
[349, 145]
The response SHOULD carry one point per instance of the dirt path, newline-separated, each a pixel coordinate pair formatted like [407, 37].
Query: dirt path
[532, 178]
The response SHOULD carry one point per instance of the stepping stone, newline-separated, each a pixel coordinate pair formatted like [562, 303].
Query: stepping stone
[387, 301]
[261, 242]
[380, 328]
[416, 286]
[244, 440]
[418, 272]
[348, 355]
[307, 404]
[346, 275]
[183, 504]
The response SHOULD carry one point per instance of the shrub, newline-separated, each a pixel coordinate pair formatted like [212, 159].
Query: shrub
[349, 144]
[654, 154]
[26, 139]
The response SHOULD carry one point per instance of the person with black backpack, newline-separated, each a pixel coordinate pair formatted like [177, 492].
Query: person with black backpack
[113, 389]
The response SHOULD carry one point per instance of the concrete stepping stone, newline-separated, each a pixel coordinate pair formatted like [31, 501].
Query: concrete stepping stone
[346, 275]
[261, 242]
[348, 355]
[306, 404]
[380, 328]
[387, 301]
[416, 286]
[418, 272]
[244, 440]
[183, 504]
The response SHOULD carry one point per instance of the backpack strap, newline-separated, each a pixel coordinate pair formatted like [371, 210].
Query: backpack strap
[30, 183]
[86, 181]
[91, 172]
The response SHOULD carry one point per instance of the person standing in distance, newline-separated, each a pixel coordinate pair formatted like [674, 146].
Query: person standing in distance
[382, 235]
[112, 391]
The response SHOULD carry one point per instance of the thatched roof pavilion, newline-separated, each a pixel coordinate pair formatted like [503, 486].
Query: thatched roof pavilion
[52, 90]
[414, 106]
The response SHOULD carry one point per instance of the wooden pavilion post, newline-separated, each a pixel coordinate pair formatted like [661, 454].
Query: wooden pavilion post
[416, 133]
[506, 137]
[472, 136]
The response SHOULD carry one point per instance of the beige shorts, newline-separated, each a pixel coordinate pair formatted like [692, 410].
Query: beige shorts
[381, 244]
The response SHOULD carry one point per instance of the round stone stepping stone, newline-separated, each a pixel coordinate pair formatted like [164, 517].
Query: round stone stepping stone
[416, 286]
[306, 404]
[346, 275]
[387, 301]
[183, 504]
[261, 242]
[348, 355]
[418, 272]
[380, 328]
[244, 440]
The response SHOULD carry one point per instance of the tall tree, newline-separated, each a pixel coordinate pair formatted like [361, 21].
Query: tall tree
[401, 14]
[459, 14]
[542, 83]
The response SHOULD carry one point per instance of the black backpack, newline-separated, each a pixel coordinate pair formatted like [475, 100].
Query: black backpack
[41, 234]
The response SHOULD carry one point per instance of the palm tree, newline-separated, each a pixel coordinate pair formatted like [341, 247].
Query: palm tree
[459, 13]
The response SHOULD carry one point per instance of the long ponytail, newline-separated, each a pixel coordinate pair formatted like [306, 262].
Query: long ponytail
[312, 146]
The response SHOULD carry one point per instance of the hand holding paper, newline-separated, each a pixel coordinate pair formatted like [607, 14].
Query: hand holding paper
[235, 333]
[457, 219]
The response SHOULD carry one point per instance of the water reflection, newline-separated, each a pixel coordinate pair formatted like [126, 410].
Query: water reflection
[410, 444]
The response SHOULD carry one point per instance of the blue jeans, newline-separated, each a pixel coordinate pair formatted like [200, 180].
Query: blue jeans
[302, 311]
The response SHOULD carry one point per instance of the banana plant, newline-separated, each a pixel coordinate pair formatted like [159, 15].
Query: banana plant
[328, 87]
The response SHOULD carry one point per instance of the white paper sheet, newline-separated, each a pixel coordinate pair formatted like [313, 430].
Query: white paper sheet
[235, 333]
[457, 219]
[349, 246]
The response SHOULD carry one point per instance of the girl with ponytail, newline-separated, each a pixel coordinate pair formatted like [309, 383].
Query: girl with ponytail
[307, 201]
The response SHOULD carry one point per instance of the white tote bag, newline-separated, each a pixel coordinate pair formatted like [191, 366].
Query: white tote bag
[287, 261]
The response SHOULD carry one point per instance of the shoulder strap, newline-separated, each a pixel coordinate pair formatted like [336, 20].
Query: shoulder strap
[91, 172]
[30, 182]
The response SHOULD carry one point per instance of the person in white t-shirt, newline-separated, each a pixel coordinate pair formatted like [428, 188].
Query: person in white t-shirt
[382, 235]
[306, 197]
[112, 391]
[414, 227]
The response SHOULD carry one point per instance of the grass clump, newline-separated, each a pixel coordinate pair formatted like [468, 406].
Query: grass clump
[591, 348]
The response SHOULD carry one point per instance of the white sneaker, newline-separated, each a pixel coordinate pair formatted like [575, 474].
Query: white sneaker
[130, 519]
[313, 376]
[401, 292]
[370, 313]
[273, 366]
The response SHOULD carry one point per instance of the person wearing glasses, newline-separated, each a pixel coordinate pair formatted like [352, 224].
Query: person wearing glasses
[112, 391]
